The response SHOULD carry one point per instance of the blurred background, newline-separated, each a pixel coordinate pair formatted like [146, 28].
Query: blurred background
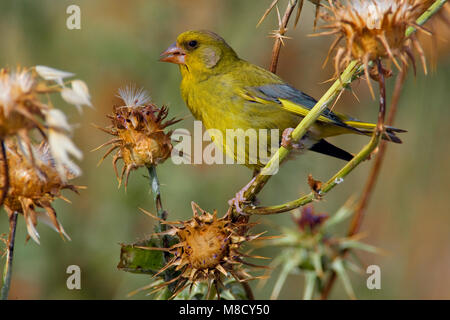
[120, 42]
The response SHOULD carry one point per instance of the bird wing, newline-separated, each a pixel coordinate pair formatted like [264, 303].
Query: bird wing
[290, 99]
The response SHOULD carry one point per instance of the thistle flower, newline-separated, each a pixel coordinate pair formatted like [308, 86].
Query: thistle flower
[32, 187]
[374, 29]
[138, 130]
[21, 110]
[311, 251]
[207, 251]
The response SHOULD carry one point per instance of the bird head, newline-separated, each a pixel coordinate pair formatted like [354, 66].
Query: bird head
[200, 52]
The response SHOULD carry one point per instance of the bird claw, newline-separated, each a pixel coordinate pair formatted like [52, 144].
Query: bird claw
[286, 140]
[239, 201]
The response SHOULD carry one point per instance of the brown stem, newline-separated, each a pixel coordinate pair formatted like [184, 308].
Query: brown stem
[278, 36]
[374, 173]
[248, 291]
[5, 172]
[370, 184]
[7, 273]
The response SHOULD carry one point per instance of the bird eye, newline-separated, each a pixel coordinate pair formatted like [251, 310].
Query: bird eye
[192, 44]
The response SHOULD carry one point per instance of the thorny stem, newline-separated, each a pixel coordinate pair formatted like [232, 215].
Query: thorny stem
[261, 179]
[374, 173]
[279, 35]
[370, 184]
[5, 172]
[155, 186]
[162, 214]
[7, 272]
[350, 73]
[330, 184]
[426, 15]
[248, 291]
[354, 227]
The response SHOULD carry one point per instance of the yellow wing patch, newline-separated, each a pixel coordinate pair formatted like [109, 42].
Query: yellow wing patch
[300, 110]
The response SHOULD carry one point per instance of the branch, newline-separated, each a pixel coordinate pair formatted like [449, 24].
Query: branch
[5, 172]
[356, 222]
[160, 227]
[7, 272]
[349, 74]
[370, 184]
[330, 184]
[280, 34]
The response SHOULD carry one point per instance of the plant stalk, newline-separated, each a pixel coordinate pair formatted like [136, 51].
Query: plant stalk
[5, 172]
[281, 32]
[352, 70]
[359, 213]
[7, 272]
[374, 173]
[162, 214]
[349, 74]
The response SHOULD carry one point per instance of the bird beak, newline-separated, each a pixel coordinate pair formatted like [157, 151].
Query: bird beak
[173, 54]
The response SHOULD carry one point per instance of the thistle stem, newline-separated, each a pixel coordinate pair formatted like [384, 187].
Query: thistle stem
[426, 15]
[7, 272]
[5, 172]
[279, 34]
[330, 184]
[359, 212]
[350, 73]
[352, 70]
[162, 214]
[248, 291]
[155, 186]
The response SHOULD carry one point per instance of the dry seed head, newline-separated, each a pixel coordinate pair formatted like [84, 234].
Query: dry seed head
[34, 186]
[19, 106]
[21, 110]
[208, 249]
[373, 29]
[138, 131]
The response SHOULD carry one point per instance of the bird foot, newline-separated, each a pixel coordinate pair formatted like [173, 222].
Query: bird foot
[286, 140]
[239, 201]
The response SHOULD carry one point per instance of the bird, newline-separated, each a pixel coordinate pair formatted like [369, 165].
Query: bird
[226, 92]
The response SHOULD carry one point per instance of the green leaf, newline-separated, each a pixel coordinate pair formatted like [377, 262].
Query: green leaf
[339, 267]
[351, 244]
[310, 283]
[141, 261]
[341, 215]
[316, 258]
[294, 260]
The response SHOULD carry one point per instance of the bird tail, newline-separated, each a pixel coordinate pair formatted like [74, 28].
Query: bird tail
[368, 128]
[327, 148]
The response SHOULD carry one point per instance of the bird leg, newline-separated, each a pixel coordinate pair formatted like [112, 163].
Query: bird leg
[286, 140]
[239, 198]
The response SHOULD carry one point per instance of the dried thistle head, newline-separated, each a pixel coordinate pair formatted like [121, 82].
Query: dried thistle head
[22, 109]
[299, 5]
[138, 130]
[208, 250]
[19, 106]
[374, 29]
[35, 186]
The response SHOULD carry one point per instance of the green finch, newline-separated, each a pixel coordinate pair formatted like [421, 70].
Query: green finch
[226, 92]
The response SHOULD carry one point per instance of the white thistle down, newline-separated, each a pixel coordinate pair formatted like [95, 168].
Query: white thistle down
[13, 86]
[53, 74]
[78, 95]
[133, 97]
[373, 11]
[61, 146]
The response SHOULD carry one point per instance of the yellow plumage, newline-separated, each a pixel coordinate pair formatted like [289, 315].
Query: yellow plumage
[226, 92]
